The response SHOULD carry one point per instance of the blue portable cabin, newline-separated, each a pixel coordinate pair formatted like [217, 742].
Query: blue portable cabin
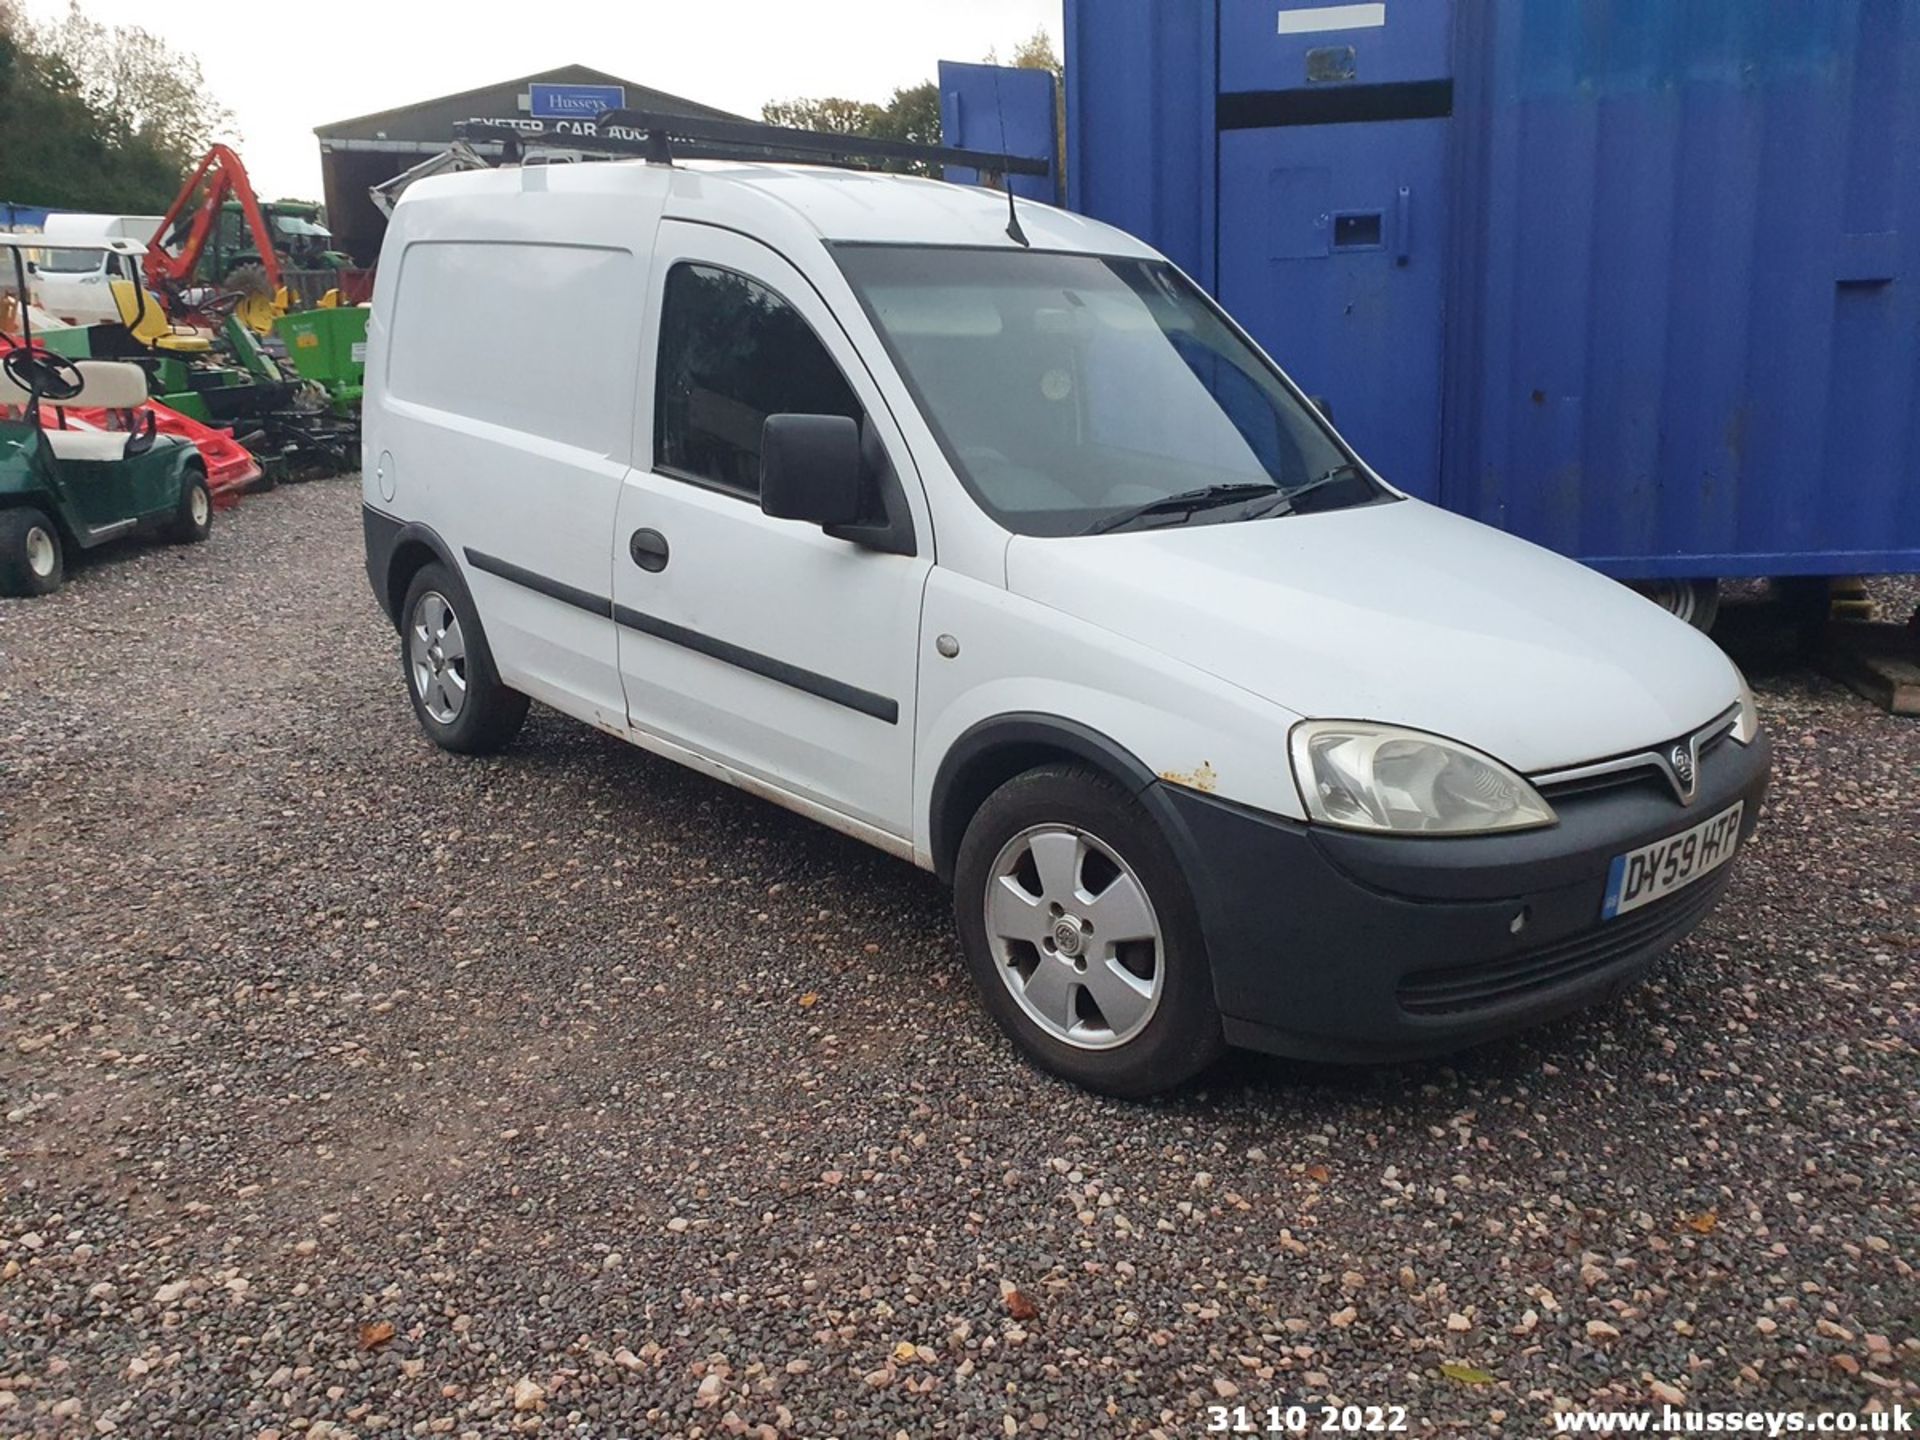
[1002, 110]
[1637, 280]
[22, 218]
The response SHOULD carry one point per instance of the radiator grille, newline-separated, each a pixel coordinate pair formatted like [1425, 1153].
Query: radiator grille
[1637, 936]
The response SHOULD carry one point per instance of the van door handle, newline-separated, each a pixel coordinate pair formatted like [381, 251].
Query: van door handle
[649, 550]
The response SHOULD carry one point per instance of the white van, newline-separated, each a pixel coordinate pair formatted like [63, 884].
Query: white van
[73, 284]
[1021, 562]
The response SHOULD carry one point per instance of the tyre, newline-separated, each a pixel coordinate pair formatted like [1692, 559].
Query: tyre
[456, 693]
[1082, 935]
[31, 560]
[1695, 601]
[1806, 605]
[192, 521]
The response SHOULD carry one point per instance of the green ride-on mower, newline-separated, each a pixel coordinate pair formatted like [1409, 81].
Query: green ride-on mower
[300, 419]
[75, 487]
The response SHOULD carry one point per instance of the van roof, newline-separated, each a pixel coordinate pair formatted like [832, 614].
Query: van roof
[834, 204]
[11, 241]
[101, 226]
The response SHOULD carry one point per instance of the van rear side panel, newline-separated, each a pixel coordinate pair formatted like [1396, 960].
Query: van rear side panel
[502, 366]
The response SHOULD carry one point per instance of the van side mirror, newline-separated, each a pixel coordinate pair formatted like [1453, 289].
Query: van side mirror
[810, 469]
[1323, 405]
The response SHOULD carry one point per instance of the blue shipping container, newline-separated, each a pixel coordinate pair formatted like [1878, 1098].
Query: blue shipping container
[1005, 111]
[1636, 279]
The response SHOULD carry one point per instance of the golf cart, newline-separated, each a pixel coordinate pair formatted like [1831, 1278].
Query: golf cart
[67, 486]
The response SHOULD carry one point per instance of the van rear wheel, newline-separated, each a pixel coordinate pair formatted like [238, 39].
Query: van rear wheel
[1082, 934]
[457, 694]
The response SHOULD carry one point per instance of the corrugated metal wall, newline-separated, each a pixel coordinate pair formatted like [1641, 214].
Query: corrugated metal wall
[1140, 122]
[1683, 328]
[1681, 332]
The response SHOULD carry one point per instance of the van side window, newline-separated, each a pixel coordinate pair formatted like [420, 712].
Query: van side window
[732, 353]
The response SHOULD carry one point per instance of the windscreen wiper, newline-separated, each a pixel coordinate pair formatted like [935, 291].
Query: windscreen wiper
[1283, 500]
[1187, 502]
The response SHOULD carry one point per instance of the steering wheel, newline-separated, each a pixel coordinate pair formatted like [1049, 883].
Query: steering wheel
[51, 377]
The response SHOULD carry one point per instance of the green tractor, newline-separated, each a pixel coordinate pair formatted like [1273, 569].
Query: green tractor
[301, 241]
[66, 485]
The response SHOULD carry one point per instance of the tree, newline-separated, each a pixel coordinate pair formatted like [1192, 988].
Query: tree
[913, 111]
[830, 116]
[1036, 52]
[96, 117]
[143, 89]
[912, 114]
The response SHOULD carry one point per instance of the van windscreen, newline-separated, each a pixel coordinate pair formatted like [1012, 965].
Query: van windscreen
[1079, 393]
[70, 262]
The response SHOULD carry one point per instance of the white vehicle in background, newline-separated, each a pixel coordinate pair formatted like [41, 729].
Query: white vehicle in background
[994, 542]
[72, 284]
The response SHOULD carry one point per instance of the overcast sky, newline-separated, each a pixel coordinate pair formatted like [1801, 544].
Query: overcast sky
[348, 57]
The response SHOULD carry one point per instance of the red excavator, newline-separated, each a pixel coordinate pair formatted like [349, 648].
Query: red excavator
[218, 178]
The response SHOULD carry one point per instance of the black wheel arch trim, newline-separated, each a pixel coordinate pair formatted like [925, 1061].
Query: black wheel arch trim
[386, 536]
[953, 800]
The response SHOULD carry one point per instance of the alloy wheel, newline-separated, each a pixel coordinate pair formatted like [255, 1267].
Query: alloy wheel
[1074, 936]
[437, 657]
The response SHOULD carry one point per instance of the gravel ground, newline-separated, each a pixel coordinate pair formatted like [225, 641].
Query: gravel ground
[347, 1088]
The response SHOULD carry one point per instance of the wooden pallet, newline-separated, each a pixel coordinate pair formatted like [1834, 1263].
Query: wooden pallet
[1879, 660]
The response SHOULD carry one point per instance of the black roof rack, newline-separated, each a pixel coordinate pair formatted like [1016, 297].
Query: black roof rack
[649, 135]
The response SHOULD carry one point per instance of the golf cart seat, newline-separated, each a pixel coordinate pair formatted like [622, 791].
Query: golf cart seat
[148, 323]
[110, 385]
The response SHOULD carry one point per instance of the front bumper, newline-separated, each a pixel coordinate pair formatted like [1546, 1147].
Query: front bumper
[1332, 945]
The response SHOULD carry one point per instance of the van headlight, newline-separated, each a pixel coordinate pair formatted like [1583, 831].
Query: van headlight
[1362, 776]
[1746, 720]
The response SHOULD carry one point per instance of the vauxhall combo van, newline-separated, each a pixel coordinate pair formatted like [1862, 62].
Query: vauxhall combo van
[1001, 547]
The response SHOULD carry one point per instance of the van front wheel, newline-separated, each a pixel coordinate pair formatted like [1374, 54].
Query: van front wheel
[457, 694]
[1082, 935]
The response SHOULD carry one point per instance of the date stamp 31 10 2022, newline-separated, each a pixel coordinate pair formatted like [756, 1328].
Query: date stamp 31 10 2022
[1306, 1419]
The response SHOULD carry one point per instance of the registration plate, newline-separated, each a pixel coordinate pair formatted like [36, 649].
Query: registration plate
[1644, 875]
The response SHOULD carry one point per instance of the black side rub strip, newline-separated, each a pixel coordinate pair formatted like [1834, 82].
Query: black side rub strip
[553, 589]
[779, 671]
[1347, 105]
[814, 683]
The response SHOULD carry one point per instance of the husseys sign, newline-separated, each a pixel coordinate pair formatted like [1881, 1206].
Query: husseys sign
[574, 102]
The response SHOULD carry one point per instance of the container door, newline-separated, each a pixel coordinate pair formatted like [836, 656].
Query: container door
[1334, 211]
